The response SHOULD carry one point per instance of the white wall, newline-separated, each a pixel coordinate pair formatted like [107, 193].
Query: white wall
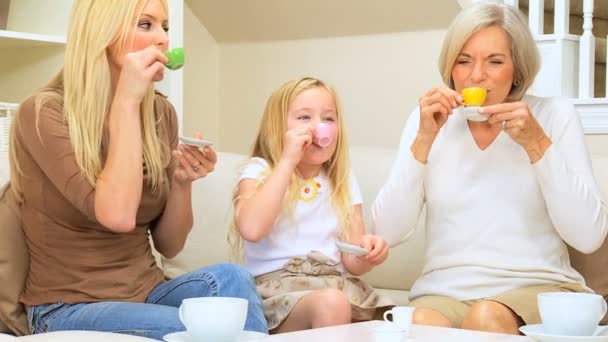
[33, 17]
[24, 70]
[201, 80]
[378, 77]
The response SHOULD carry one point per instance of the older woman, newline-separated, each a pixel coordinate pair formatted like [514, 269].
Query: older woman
[502, 195]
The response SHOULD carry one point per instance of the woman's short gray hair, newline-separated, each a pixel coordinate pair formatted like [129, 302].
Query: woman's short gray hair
[526, 58]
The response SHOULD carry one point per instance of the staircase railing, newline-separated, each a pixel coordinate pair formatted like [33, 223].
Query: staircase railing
[569, 60]
[586, 67]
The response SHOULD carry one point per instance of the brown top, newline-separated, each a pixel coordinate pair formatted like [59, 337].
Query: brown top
[73, 258]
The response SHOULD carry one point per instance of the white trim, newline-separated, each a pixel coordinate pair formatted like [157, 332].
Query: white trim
[176, 39]
[548, 37]
[19, 39]
[594, 114]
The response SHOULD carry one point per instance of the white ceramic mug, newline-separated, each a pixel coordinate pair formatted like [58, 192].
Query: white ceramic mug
[402, 317]
[218, 319]
[570, 313]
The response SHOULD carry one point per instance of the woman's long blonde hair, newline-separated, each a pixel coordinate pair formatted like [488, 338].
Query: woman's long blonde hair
[269, 146]
[83, 87]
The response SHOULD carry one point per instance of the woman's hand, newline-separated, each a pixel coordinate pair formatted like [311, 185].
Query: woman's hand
[193, 163]
[435, 108]
[377, 247]
[139, 70]
[296, 141]
[519, 123]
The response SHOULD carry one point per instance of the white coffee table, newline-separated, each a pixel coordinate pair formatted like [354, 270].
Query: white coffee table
[364, 332]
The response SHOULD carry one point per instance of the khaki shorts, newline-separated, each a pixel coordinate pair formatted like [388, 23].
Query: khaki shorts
[521, 301]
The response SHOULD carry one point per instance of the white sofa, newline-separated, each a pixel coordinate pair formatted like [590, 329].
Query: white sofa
[212, 198]
[212, 202]
[212, 210]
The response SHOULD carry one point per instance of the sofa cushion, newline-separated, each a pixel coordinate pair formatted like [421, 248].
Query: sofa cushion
[14, 263]
[207, 243]
[399, 297]
[372, 166]
[212, 206]
[593, 266]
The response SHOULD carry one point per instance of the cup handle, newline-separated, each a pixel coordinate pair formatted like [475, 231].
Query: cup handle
[181, 314]
[386, 313]
[605, 307]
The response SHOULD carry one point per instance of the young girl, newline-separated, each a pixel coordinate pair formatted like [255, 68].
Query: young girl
[295, 198]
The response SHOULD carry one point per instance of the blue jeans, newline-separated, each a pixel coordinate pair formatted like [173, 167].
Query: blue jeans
[158, 316]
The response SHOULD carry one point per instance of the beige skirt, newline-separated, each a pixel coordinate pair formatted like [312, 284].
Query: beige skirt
[282, 289]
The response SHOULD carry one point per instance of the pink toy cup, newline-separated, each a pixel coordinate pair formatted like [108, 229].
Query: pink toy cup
[322, 135]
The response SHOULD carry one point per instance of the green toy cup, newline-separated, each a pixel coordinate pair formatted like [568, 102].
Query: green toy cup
[176, 58]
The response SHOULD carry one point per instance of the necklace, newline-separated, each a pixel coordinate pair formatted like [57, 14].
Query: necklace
[309, 189]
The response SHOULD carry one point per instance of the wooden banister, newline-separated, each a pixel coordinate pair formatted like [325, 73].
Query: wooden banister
[586, 75]
[536, 16]
[562, 17]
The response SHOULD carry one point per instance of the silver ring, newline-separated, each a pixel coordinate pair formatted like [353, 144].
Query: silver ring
[195, 168]
[504, 122]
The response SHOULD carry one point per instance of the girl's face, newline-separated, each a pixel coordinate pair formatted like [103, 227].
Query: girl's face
[151, 29]
[485, 61]
[312, 107]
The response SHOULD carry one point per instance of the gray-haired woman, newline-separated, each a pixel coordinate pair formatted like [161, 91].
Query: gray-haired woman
[502, 195]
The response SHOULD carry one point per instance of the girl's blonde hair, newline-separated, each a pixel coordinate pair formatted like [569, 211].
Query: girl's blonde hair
[526, 58]
[269, 146]
[83, 87]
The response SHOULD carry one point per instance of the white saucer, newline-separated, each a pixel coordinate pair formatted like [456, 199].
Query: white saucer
[536, 332]
[351, 249]
[471, 113]
[195, 142]
[183, 336]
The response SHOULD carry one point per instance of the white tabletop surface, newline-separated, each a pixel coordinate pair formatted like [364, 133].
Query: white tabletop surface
[358, 332]
[364, 332]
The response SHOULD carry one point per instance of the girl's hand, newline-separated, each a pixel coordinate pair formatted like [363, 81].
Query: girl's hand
[193, 163]
[139, 70]
[377, 247]
[296, 141]
[519, 123]
[435, 108]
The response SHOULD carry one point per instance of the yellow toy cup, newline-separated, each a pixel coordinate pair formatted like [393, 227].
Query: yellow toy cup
[474, 96]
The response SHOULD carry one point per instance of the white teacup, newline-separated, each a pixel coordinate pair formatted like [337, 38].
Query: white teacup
[218, 319]
[571, 314]
[402, 317]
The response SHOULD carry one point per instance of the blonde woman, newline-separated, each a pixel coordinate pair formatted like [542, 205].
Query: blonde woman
[97, 167]
[295, 198]
[503, 195]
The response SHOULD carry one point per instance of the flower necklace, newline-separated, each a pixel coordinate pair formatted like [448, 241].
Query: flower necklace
[309, 189]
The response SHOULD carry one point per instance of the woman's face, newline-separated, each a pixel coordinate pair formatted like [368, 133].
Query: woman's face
[486, 61]
[150, 29]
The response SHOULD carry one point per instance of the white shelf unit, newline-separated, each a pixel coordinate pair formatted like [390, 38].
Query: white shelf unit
[7, 111]
[14, 39]
[32, 45]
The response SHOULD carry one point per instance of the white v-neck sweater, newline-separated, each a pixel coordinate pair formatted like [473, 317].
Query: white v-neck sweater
[494, 221]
